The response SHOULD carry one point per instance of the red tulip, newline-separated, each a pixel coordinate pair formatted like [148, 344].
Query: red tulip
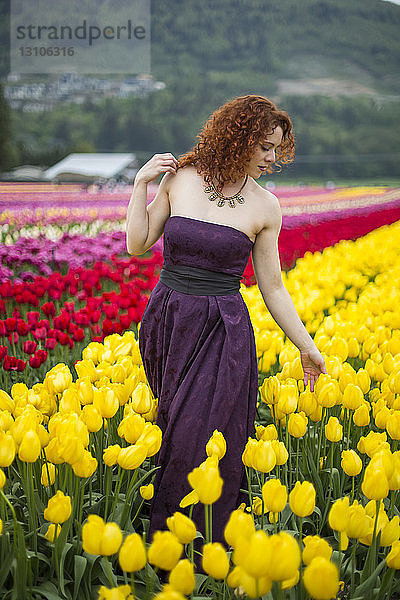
[29, 347]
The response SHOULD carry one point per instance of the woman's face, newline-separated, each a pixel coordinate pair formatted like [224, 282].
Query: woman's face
[264, 153]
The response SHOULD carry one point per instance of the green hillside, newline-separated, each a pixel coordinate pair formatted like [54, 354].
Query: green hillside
[332, 64]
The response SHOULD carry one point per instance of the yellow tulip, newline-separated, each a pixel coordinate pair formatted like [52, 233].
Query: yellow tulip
[215, 561]
[2, 479]
[6, 402]
[216, 445]
[206, 481]
[315, 546]
[110, 455]
[253, 553]
[53, 532]
[274, 495]
[240, 524]
[105, 402]
[58, 508]
[281, 452]
[248, 452]
[375, 485]
[302, 499]
[48, 475]
[358, 523]
[92, 418]
[284, 558]
[146, 491]
[339, 514]
[288, 397]
[393, 558]
[255, 588]
[333, 430]
[393, 425]
[132, 457]
[352, 396]
[329, 394]
[270, 389]
[182, 577]
[30, 448]
[351, 463]
[7, 449]
[99, 537]
[131, 427]
[361, 416]
[321, 579]
[190, 498]
[132, 554]
[142, 398]
[150, 439]
[86, 466]
[264, 458]
[182, 527]
[165, 550]
[297, 424]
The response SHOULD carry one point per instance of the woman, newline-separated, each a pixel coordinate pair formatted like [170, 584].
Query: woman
[195, 337]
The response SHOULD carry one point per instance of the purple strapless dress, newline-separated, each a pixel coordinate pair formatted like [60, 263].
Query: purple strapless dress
[200, 361]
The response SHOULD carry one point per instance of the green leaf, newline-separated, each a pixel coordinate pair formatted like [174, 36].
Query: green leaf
[65, 550]
[80, 563]
[48, 590]
[6, 566]
[368, 583]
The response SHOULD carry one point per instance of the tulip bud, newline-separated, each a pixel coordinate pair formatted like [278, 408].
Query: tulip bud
[58, 508]
[165, 550]
[216, 445]
[297, 424]
[150, 439]
[393, 425]
[132, 554]
[339, 514]
[30, 448]
[270, 389]
[264, 458]
[182, 577]
[351, 463]
[247, 456]
[288, 397]
[182, 527]
[274, 495]
[2, 479]
[375, 485]
[146, 491]
[142, 398]
[302, 499]
[215, 561]
[321, 579]
[333, 430]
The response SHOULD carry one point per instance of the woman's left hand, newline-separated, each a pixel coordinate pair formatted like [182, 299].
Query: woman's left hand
[313, 365]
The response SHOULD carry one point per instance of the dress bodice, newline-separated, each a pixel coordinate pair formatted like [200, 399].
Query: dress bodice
[196, 243]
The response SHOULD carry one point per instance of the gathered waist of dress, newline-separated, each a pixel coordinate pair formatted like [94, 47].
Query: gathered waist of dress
[199, 282]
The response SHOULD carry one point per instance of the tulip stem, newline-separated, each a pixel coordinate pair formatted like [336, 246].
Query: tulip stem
[249, 486]
[353, 566]
[133, 583]
[206, 515]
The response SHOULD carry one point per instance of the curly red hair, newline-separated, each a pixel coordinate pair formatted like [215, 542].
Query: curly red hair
[228, 139]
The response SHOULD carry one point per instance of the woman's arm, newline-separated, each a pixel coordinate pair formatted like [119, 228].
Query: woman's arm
[145, 224]
[267, 270]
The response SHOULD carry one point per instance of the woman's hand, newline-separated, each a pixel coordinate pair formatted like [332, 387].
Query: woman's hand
[159, 163]
[313, 365]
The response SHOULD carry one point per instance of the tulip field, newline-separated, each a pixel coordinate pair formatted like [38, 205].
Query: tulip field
[78, 432]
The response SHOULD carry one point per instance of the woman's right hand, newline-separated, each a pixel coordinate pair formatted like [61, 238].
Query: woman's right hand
[159, 163]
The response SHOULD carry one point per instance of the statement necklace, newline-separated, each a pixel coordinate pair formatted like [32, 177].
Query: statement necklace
[214, 194]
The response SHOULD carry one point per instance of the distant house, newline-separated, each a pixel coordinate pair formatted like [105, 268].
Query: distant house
[88, 168]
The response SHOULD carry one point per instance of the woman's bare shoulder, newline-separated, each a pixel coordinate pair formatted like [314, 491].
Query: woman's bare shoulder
[268, 207]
